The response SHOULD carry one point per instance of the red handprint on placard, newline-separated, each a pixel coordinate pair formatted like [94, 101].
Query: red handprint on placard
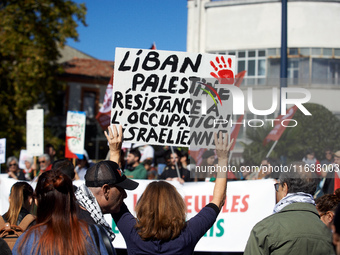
[224, 73]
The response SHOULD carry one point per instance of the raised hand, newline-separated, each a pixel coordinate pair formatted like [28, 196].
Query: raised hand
[115, 140]
[222, 147]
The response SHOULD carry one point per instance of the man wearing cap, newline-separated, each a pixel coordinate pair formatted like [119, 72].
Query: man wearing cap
[104, 189]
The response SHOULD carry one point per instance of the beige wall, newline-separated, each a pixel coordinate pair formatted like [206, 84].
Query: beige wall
[230, 25]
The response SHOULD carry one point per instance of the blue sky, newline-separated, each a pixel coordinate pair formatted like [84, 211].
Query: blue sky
[132, 24]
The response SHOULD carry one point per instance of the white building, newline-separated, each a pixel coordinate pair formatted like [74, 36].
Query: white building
[251, 30]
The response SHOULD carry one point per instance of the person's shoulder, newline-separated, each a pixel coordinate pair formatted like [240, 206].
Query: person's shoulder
[85, 215]
[166, 168]
[23, 212]
[140, 167]
[127, 172]
[300, 206]
[21, 175]
[293, 214]
[267, 223]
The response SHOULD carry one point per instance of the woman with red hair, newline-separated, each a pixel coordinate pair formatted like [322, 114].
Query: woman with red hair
[161, 226]
[58, 229]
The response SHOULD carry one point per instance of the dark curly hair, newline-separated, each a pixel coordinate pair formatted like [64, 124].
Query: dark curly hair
[328, 202]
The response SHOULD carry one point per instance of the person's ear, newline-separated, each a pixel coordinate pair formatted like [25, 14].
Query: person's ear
[330, 216]
[106, 191]
[285, 188]
[30, 200]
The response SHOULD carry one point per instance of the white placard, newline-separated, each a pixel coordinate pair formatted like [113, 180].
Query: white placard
[35, 132]
[171, 98]
[247, 203]
[24, 155]
[2, 150]
[75, 134]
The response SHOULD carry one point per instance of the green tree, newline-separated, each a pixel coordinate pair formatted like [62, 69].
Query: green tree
[254, 152]
[318, 131]
[30, 33]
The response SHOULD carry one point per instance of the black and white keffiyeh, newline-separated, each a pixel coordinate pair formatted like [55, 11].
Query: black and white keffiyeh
[299, 197]
[87, 200]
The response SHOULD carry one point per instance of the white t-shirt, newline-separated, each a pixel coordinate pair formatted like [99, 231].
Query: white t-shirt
[147, 152]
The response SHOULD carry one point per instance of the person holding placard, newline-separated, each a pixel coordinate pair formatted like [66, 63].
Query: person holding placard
[104, 188]
[28, 167]
[13, 169]
[45, 162]
[44, 165]
[160, 227]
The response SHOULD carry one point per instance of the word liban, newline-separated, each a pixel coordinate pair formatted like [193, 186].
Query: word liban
[153, 95]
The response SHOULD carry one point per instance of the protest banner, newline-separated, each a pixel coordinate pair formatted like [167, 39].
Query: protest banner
[75, 134]
[279, 128]
[35, 132]
[104, 115]
[2, 151]
[24, 155]
[158, 96]
[247, 203]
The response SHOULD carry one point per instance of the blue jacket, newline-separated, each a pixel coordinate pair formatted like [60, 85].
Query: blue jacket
[30, 243]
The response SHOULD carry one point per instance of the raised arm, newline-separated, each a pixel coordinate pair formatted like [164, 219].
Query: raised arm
[222, 151]
[115, 140]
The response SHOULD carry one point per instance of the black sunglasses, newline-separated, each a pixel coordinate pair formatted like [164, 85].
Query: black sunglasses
[43, 161]
[13, 164]
[276, 185]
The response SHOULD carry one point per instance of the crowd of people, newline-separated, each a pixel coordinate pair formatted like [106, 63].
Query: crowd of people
[70, 220]
[167, 163]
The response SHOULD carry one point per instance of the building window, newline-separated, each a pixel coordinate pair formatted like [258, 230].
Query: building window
[273, 52]
[293, 71]
[316, 51]
[293, 51]
[305, 51]
[60, 106]
[90, 100]
[327, 52]
[325, 71]
[254, 62]
[306, 66]
[337, 52]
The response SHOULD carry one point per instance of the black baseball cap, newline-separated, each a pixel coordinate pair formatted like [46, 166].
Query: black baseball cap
[108, 172]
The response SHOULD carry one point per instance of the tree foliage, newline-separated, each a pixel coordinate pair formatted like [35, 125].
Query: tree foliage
[30, 33]
[254, 152]
[319, 131]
